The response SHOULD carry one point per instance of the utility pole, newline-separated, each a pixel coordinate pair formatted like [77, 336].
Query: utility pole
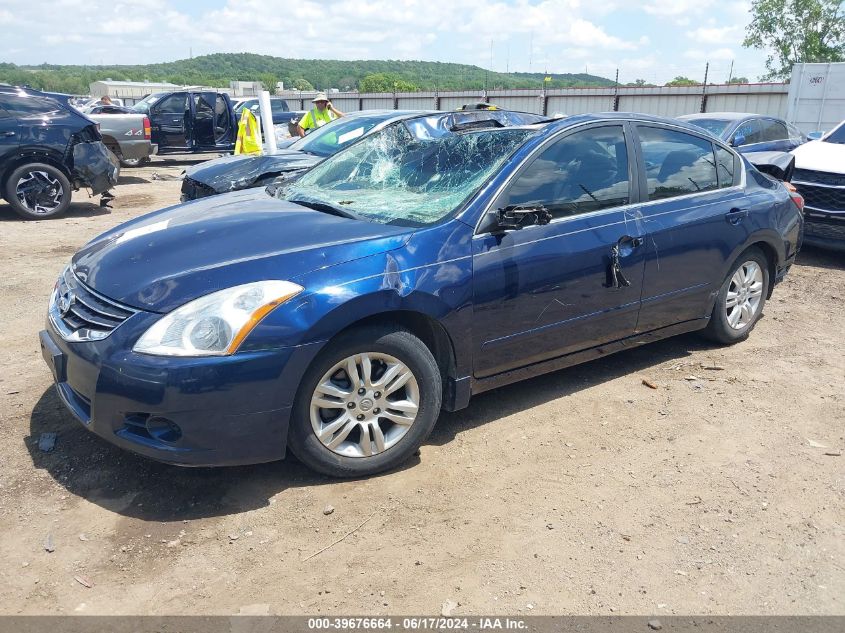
[731, 72]
[530, 50]
[704, 88]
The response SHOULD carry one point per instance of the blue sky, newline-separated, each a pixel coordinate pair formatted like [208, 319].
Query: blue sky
[655, 40]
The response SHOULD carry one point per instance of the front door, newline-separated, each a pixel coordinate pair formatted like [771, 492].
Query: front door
[547, 291]
[170, 120]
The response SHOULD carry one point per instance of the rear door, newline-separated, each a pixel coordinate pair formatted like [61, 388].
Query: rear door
[546, 291]
[695, 214]
[9, 133]
[170, 120]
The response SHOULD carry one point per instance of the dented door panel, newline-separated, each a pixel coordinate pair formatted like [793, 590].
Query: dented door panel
[546, 291]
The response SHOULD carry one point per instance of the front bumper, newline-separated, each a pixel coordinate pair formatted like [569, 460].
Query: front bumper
[216, 411]
[824, 231]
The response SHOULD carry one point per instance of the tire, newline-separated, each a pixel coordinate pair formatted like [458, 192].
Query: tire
[37, 191]
[132, 162]
[747, 283]
[390, 439]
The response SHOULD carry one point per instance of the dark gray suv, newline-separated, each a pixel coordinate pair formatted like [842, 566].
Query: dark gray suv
[47, 151]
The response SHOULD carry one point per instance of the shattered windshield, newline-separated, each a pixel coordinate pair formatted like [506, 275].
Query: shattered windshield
[409, 173]
[330, 138]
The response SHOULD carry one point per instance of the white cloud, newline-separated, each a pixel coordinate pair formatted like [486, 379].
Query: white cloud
[720, 54]
[641, 38]
[716, 35]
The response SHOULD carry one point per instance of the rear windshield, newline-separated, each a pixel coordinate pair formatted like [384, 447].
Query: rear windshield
[716, 127]
[22, 105]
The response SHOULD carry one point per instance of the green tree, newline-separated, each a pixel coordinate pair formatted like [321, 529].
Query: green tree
[385, 82]
[738, 80]
[682, 81]
[796, 31]
[302, 84]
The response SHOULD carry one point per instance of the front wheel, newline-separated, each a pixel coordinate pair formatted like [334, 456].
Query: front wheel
[739, 304]
[132, 162]
[366, 404]
[38, 191]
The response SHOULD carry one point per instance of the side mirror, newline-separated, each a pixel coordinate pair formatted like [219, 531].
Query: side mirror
[815, 136]
[739, 140]
[514, 218]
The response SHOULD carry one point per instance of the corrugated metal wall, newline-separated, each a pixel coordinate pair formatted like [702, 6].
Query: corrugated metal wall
[660, 105]
[768, 99]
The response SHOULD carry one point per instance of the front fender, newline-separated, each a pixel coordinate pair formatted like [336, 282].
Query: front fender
[395, 281]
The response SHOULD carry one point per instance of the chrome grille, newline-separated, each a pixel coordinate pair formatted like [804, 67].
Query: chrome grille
[80, 314]
[821, 190]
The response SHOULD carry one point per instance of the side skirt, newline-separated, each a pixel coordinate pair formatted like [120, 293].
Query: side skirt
[499, 380]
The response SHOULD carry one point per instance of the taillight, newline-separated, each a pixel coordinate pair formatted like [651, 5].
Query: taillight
[147, 130]
[797, 198]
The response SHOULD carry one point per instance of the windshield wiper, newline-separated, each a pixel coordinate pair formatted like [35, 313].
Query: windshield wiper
[325, 207]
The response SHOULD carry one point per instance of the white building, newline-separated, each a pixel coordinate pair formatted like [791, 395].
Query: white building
[130, 91]
[245, 88]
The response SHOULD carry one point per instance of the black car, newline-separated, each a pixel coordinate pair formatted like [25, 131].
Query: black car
[47, 151]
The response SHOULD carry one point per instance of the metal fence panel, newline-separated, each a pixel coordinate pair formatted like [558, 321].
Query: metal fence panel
[415, 102]
[772, 104]
[377, 103]
[578, 104]
[661, 105]
[345, 104]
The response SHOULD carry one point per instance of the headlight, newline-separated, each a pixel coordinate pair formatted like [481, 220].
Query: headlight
[215, 325]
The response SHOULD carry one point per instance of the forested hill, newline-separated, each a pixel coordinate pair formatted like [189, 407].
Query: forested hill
[220, 68]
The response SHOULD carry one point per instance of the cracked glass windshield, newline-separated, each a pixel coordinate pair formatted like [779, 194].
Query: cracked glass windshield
[411, 173]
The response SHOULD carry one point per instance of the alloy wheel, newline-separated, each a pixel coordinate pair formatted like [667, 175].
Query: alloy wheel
[364, 404]
[39, 193]
[745, 295]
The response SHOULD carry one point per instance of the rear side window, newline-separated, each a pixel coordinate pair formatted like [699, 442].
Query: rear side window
[726, 168]
[750, 131]
[773, 130]
[585, 171]
[677, 163]
[28, 105]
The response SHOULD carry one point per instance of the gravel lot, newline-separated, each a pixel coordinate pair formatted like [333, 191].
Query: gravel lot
[582, 491]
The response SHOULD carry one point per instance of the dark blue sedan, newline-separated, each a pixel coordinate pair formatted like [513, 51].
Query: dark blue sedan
[749, 132]
[434, 260]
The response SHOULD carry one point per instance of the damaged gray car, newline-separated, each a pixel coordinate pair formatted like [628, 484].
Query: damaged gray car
[48, 151]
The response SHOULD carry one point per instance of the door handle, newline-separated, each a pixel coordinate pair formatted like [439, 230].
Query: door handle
[735, 216]
[627, 244]
[8, 133]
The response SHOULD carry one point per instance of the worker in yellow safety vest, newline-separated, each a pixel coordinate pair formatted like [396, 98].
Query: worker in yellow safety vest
[323, 112]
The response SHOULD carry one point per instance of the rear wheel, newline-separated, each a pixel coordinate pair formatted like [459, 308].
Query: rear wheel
[739, 304]
[366, 404]
[37, 191]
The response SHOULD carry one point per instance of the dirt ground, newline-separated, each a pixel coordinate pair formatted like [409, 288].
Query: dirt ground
[579, 492]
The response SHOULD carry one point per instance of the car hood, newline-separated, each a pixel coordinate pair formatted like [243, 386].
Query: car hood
[820, 156]
[236, 172]
[167, 258]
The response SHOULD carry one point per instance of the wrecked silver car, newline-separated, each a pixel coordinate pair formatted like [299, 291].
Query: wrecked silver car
[47, 151]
